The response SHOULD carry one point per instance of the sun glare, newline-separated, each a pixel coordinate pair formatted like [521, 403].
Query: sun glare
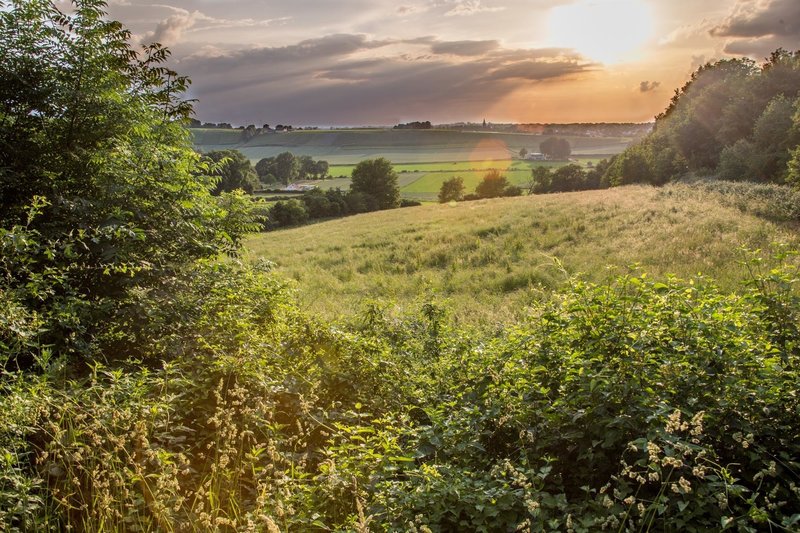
[609, 31]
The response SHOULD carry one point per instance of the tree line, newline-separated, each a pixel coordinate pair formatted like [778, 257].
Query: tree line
[234, 171]
[732, 119]
[373, 187]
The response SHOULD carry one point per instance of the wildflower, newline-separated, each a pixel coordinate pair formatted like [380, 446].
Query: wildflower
[533, 506]
[630, 500]
[272, 527]
[685, 485]
[697, 424]
[653, 450]
[674, 422]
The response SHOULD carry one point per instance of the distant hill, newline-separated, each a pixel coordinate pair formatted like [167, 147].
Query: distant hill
[342, 147]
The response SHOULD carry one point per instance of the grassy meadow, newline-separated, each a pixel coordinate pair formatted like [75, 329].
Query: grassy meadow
[491, 258]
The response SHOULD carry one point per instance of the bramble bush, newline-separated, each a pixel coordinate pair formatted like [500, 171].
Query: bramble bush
[663, 405]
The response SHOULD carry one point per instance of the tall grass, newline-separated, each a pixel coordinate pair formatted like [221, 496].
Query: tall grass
[491, 259]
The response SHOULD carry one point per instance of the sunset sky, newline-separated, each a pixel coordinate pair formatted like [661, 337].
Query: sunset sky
[380, 62]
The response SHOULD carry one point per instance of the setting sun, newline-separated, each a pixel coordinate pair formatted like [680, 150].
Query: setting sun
[606, 31]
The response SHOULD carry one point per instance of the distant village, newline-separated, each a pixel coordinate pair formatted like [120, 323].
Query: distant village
[601, 129]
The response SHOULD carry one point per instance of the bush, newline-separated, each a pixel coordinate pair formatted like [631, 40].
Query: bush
[409, 203]
[622, 405]
[493, 185]
[102, 193]
[287, 213]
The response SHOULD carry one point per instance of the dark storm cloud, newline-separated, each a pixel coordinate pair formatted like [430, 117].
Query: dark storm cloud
[351, 79]
[757, 27]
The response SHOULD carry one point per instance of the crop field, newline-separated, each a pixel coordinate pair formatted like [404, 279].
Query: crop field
[421, 181]
[485, 165]
[347, 147]
[491, 258]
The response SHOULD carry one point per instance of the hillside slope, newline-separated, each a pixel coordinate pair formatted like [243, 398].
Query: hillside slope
[490, 258]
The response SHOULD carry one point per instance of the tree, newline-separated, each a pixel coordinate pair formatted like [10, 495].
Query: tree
[287, 167]
[265, 167]
[452, 190]
[97, 172]
[493, 185]
[307, 167]
[555, 148]
[321, 169]
[234, 171]
[541, 180]
[569, 178]
[287, 213]
[523, 152]
[377, 178]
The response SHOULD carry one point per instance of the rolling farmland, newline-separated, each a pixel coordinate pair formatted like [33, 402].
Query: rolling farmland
[347, 147]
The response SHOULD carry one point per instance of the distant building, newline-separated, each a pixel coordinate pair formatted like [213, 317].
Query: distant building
[536, 156]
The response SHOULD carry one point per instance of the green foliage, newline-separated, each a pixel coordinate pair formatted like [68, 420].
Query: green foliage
[233, 171]
[452, 190]
[639, 405]
[286, 168]
[555, 148]
[100, 191]
[732, 119]
[287, 213]
[377, 179]
[493, 185]
[221, 406]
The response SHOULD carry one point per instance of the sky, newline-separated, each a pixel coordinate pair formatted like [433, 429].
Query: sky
[382, 62]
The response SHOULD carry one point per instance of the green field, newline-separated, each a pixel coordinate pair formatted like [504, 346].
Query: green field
[421, 181]
[347, 147]
[491, 258]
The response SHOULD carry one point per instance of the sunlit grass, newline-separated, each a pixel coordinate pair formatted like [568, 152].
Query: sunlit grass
[492, 257]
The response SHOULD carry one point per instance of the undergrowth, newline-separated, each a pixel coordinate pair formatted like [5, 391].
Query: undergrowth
[642, 405]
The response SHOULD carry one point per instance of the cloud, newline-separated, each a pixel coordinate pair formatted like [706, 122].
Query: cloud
[757, 27]
[647, 86]
[406, 10]
[698, 61]
[354, 79]
[464, 48]
[171, 29]
[533, 70]
[470, 7]
[759, 18]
